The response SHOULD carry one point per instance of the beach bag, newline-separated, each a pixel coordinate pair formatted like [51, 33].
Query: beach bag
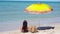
[33, 29]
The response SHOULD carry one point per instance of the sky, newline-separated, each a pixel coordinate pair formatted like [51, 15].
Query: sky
[29, 0]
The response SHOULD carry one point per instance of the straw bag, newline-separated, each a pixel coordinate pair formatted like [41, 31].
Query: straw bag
[33, 29]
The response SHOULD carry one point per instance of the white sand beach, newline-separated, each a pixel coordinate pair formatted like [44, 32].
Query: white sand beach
[56, 30]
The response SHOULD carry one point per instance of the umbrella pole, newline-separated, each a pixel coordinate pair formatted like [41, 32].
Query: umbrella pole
[39, 23]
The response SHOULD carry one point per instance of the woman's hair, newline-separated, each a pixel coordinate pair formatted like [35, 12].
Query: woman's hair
[24, 24]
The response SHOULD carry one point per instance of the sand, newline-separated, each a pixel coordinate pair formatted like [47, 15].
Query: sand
[56, 30]
[51, 31]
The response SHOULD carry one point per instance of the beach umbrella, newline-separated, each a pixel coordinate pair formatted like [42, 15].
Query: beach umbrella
[38, 9]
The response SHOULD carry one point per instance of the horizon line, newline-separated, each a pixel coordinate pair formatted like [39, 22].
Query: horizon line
[36, 1]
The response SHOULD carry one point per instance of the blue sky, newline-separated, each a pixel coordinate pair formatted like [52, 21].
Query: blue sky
[29, 0]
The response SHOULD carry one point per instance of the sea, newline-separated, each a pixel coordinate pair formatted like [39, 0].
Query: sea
[12, 14]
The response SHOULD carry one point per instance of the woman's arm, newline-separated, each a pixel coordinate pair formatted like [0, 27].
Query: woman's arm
[21, 29]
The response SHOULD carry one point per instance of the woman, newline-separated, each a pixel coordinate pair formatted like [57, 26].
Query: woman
[25, 26]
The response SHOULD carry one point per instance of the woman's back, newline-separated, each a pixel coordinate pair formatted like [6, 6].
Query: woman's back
[24, 27]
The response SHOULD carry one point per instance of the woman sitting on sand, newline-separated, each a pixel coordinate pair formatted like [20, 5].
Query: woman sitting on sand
[25, 27]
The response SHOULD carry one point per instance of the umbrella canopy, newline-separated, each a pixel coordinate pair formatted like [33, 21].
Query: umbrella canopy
[38, 9]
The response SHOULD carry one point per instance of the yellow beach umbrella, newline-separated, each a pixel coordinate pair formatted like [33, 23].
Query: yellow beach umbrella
[38, 9]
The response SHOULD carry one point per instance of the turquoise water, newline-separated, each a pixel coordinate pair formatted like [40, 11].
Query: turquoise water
[12, 14]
